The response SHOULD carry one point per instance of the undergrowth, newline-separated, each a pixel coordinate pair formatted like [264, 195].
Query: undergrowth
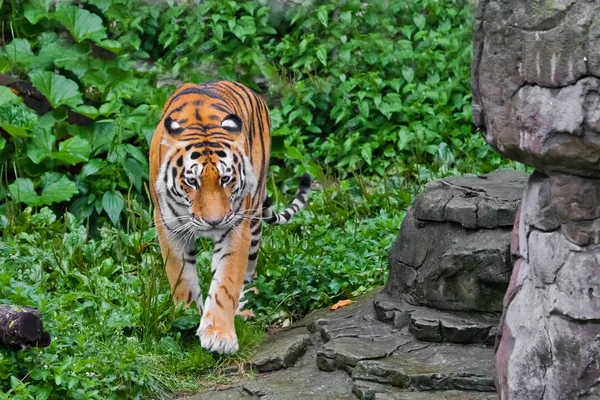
[105, 299]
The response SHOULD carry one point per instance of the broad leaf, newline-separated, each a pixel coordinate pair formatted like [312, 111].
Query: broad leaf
[113, 203]
[87, 111]
[35, 10]
[91, 167]
[408, 74]
[56, 188]
[22, 190]
[73, 151]
[19, 52]
[81, 23]
[419, 21]
[7, 95]
[111, 45]
[56, 88]
[17, 119]
[41, 144]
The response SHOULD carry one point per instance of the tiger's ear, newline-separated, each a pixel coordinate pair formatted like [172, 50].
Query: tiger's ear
[167, 138]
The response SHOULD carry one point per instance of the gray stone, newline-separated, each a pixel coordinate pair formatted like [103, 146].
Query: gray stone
[535, 82]
[486, 201]
[301, 382]
[348, 351]
[354, 352]
[548, 335]
[281, 350]
[368, 390]
[434, 367]
[440, 260]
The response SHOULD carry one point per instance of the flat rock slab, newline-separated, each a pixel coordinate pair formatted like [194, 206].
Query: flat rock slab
[351, 353]
[281, 350]
[367, 390]
[435, 367]
[298, 383]
[431, 325]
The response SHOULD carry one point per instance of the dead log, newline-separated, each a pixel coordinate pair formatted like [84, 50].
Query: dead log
[22, 328]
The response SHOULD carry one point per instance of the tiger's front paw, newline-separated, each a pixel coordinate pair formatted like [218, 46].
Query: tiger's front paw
[218, 340]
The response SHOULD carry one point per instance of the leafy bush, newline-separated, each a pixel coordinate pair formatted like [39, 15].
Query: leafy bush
[380, 88]
[106, 302]
[90, 147]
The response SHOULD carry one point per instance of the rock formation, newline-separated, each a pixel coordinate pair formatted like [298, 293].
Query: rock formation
[535, 79]
[429, 333]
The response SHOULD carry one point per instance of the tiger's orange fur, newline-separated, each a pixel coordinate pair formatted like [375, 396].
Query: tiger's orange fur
[208, 169]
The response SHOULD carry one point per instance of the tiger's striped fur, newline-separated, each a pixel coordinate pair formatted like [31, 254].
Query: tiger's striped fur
[208, 170]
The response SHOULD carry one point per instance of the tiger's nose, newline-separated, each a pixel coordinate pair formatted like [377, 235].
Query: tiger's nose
[212, 221]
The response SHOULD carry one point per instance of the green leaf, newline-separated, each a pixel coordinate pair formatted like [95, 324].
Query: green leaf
[41, 145]
[294, 153]
[7, 95]
[2, 143]
[19, 52]
[367, 154]
[87, 111]
[218, 32]
[17, 119]
[322, 16]
[111, 45]
[22, 190]
[56, 88]
[91, 167]
[408, 74]
[419, 20]
[73, 151]
[35, 10]
[81, 23]
[363, 107]
[322, 55]
[113, 203]
[134, 172]
[56, 188]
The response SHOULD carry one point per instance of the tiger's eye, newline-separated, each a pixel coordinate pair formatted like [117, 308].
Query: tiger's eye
[225, 180]
[191, 182]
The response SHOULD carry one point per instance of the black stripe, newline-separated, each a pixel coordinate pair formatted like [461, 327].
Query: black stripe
[253, 256]
[225, 256]
[220, 107]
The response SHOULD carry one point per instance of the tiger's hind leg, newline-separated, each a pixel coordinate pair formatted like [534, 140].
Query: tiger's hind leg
[228, 268]
[250, 276]
[180, 264]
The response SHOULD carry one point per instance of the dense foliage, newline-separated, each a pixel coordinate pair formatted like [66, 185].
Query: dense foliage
[372, 98]
[380, 88]
[106, 301]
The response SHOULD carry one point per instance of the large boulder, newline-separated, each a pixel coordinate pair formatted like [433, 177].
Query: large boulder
[452, 252]
[548, 340]
[535, 73]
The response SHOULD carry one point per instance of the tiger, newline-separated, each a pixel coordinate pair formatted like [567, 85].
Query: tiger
[209, 159]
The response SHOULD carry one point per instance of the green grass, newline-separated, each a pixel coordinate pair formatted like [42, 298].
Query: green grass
[105, 299]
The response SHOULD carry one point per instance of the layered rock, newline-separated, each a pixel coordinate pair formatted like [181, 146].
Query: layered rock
[548, 344]
[535, 78]
[452, 252]
[535, 74]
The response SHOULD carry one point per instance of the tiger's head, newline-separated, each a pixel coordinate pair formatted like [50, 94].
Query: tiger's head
[206, 173]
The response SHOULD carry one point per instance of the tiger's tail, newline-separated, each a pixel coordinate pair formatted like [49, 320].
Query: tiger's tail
[300, 200]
